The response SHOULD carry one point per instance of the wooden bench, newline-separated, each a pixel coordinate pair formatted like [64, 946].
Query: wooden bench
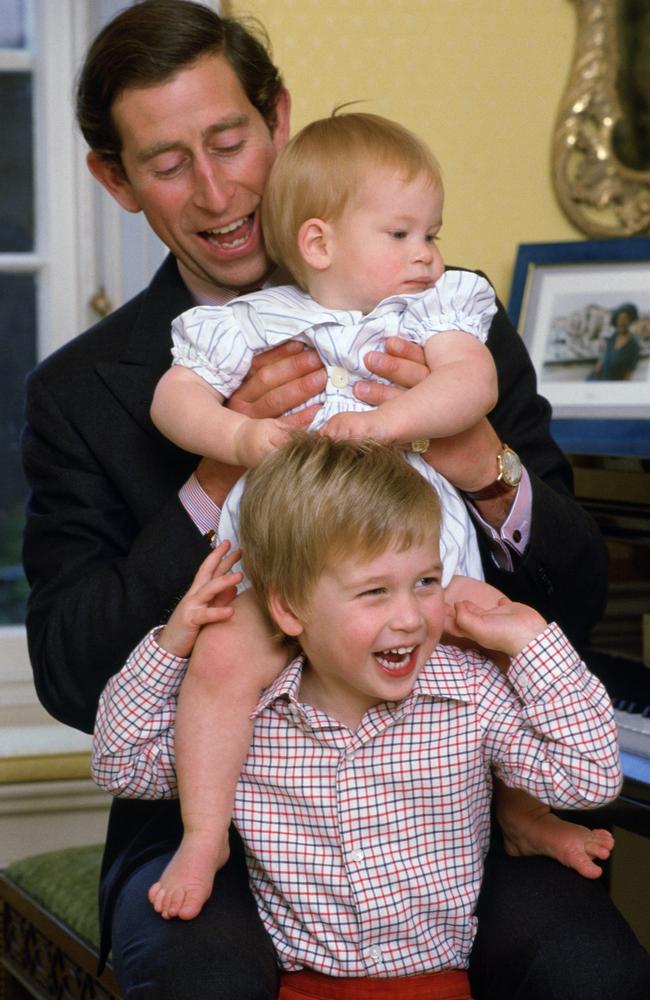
[50, 928]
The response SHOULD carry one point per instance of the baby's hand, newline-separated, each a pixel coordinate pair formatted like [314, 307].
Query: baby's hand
[355, 426]
[254, 439]
[208, 600]
[506, 627]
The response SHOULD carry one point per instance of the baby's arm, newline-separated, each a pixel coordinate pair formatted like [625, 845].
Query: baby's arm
[460, 389]
[188, 411]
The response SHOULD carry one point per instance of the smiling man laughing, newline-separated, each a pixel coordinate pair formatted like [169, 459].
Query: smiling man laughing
[195, 157]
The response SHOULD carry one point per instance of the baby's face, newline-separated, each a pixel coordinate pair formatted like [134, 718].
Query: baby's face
[384, 243]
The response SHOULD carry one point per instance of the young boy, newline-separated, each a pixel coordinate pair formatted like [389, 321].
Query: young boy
[364, 802]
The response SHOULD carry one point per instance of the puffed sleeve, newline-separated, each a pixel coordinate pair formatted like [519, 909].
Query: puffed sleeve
[460, 300]
[218, 343]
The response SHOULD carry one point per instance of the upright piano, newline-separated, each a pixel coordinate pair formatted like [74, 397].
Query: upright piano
[616, 491]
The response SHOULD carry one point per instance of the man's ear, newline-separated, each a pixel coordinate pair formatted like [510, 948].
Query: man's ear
[284, 617]
[113, 178]
[280, 134]
[314, 245]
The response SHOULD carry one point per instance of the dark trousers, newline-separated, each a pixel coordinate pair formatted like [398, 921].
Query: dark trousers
[545, 933]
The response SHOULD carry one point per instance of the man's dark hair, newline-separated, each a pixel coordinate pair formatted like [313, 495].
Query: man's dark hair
[152, 42]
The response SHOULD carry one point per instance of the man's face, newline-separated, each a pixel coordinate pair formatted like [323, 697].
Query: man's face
[197, 155]
[372, 626]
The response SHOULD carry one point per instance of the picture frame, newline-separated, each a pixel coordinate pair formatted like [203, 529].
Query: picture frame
[564, 300]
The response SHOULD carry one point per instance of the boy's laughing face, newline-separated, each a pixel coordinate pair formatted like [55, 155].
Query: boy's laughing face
[371, 626]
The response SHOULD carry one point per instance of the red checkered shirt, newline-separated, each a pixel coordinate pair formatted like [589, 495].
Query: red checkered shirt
[365, 849]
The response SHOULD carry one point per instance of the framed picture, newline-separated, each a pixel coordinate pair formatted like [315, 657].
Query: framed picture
[583, 310]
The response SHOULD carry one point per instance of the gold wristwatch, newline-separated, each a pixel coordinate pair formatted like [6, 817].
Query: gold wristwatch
[509, 476]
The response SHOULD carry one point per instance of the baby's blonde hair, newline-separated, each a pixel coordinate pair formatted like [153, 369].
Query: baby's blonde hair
[317, 500]
[321, 169]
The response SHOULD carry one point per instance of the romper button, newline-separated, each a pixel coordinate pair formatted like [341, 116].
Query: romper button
[340, 377]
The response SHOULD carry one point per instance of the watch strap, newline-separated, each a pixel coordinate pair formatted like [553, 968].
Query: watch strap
[495, 489]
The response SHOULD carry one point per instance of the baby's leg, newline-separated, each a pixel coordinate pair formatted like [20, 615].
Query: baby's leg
[232, 662]
[529, 827]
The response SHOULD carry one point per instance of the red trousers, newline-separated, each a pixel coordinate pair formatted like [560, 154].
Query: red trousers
[308, 985]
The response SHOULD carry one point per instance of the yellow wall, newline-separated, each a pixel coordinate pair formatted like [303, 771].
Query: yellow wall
[480, 80]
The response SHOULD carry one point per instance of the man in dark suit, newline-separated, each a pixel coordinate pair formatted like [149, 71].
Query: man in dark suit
[183, 123]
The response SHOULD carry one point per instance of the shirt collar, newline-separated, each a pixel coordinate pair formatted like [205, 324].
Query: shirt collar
[286, 685]
[442, 676]
[219, 295]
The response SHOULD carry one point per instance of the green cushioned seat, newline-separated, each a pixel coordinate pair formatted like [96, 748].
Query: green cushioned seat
[65, 883]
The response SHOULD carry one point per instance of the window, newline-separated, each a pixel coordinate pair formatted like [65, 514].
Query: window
[45, 275]
[62, 240]
[18, 286]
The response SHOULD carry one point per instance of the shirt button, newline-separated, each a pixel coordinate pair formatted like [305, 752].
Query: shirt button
[340, 378]
[516, 535]
[374, 952]
[356, 855]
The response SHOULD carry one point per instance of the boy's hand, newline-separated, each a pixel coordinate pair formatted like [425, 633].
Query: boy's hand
[254, 439]
[208, 600]
[506, 627]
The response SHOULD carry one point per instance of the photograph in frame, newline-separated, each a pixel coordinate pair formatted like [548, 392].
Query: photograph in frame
[583, 311]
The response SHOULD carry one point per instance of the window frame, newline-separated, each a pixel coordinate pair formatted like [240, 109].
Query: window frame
[62, 259]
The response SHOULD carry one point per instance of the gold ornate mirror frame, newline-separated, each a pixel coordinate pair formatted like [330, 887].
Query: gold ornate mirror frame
[601, 195]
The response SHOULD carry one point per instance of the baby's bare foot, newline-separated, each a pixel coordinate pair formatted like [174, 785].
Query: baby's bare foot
[186, 882]
[574, 845]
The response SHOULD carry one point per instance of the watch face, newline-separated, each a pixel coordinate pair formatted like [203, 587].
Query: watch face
[511, 467]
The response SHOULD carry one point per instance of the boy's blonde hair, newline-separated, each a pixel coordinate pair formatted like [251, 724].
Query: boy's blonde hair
[321, 169]
[317, 500]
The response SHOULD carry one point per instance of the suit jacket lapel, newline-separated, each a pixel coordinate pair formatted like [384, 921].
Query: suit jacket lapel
[146, 348]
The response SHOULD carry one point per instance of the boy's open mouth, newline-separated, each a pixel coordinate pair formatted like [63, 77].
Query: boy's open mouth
[397, 661]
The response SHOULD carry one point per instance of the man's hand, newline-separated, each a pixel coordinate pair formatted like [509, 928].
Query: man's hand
[402, 363]
[468, 460]
[280, 379]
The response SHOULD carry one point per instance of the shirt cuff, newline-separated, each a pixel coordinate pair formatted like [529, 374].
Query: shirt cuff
[514, 534]
[157, 669]
[547, 661]
[200, 507]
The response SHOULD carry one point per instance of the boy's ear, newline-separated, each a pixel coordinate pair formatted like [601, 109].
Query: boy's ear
[284, 617]
[111, 177]
[314, 243]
